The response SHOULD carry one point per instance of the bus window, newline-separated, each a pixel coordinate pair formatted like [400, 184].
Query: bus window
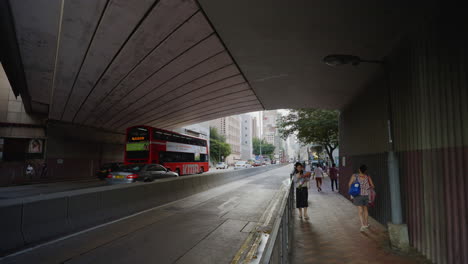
[169, 156]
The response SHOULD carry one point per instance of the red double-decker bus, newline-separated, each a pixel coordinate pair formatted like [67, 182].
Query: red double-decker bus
[180, 153]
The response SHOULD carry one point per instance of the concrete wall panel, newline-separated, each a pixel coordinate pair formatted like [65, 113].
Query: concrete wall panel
[163, 63]
[204, 50]
[166, 17]
[220, 104]
[223, 94]
[85, 210]
[170, 87]
[45, 218]
[182, 103]
[118, 22]
[184, 90]
[37, 22]
[203, 117]
[10, 226]
[81, 18]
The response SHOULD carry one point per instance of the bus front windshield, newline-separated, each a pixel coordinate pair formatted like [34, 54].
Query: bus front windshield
[138, 143]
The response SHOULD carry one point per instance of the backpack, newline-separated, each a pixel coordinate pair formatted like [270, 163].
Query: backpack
[355, 189]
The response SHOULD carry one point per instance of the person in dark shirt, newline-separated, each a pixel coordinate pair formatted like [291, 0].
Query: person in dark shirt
[333, 172]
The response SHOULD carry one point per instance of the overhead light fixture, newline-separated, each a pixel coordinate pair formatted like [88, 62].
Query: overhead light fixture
[341, 59]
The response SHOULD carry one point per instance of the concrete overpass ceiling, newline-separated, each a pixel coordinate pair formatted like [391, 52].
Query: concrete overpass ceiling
[279, 45]
[116, 63]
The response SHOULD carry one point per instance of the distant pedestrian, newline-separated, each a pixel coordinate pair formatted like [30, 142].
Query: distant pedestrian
[362, 200]
[318, 176]
[333, 173]
[301, 182]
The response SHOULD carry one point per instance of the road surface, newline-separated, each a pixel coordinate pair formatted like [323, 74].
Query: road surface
[209, 227]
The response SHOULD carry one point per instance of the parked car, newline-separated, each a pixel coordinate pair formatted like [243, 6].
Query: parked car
[221, 165]
[139, 172]
[242, 165]
[106, 168]
[257, 163]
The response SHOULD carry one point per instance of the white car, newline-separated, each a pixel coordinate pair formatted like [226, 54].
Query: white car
[221, 165]
[242, 165]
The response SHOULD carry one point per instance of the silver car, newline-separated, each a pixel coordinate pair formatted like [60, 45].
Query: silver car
[242, 165]
[221, 165]
[139, 172]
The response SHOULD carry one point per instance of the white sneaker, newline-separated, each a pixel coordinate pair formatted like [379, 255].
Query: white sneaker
[363, 228]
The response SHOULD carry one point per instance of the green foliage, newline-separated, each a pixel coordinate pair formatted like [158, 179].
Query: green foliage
[312, 126]
[214, 134]
[218, 146]
[267, 149]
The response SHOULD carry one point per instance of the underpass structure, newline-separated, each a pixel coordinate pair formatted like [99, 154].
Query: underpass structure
[76, 74]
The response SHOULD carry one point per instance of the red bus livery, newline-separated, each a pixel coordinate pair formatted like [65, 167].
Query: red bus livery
[180, 153]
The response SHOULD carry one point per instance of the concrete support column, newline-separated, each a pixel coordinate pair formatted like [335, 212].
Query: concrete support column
[397, 230]
[394, 183]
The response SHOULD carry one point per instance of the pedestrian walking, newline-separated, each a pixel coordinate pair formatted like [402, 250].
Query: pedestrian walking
[362, 200]
[333, 173]
[318, 176]
[301, 182]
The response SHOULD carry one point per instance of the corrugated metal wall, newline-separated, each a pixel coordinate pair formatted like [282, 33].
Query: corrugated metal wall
[429, 92]
[430, 97]
[363, 140]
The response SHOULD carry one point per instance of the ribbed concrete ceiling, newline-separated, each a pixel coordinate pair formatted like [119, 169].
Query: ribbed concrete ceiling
[116, 63]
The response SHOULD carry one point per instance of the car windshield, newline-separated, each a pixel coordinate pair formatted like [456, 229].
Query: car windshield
[220, 163]
[240, 163]
[132, 167]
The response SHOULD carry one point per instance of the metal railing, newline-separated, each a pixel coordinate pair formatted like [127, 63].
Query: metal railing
[278, 247]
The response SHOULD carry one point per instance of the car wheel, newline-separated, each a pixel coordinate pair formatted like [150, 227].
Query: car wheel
[177, 171]
[201, 170]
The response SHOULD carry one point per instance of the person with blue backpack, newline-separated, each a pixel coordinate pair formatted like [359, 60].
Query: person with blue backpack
[359, 189]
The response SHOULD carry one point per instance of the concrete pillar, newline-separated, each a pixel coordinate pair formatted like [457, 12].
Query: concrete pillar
[397, 230]
[394, 182]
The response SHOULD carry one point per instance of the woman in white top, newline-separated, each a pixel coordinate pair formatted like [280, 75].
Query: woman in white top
[318, 175]
[301, 182]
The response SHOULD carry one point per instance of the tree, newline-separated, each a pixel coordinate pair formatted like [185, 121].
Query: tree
[312, 126]
[218, 146]
[267, 148]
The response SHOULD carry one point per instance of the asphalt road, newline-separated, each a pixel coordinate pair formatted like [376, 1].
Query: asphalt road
[209, 227]
[13, 192]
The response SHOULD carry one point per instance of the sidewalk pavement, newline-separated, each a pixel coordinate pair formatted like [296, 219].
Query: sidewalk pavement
[332, 236]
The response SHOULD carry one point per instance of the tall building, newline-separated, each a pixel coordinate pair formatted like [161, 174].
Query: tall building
[269, 126]
[255, 128]
[230, 127]
[201, 130]
[246, 137]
